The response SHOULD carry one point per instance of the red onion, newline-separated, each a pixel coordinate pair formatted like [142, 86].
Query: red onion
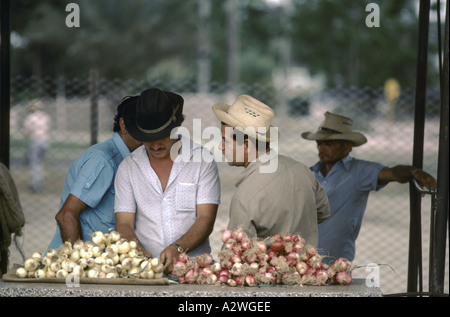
[246, 244]
[292, 258]
[223, 279]
[343, 278]
[239, 280]
[301, 267]
[191, 276]
[226, 235]
[310, 251]
[236, 259]
[237, 268]
[340, 265]
[179, 268]
[207, 271]
[212, 279]
[250, 280]
[231, 282]
[204, 260]
[287, 237]
[183, 257]
[215, 267]
[238, 234]
[321, 276]
[225, 273]
[251, 258]
[262, 246]
[298, 247]
[277, 246]
[272, 254]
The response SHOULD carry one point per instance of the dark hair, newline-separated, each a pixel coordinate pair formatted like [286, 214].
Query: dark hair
[121, 111]
[242, 137]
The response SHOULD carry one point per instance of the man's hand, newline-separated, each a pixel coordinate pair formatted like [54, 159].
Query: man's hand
[169, 256]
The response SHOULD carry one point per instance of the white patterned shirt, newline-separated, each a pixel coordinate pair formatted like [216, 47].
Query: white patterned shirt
[162, 217]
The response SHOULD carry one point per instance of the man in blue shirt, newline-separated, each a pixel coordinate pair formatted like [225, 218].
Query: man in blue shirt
[348, 181]
[87, 199]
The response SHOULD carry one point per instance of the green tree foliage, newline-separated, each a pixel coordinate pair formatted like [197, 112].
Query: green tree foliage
[158, 39]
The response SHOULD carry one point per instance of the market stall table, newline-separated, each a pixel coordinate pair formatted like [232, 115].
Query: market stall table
[357, 288]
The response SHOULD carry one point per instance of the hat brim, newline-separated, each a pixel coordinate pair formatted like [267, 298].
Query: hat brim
[355, 137]
[221, 112]
[139, 135]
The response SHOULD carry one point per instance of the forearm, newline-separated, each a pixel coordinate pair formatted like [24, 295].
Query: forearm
[69, 225]
[126, 231]
[68, 218]
[198, 233]
[405, 173]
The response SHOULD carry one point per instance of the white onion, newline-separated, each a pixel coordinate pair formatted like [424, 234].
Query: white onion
[123, 246]
[31, 264]
[115, 236]
[21, 272]
[62, 273]
[97, 237]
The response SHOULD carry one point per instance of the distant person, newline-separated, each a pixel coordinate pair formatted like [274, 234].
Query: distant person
[37, 126]
[167, 194]
[274, 193]
[348, 182]
[87, 200]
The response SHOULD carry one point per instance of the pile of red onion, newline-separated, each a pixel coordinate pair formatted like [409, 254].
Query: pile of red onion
[280, 259]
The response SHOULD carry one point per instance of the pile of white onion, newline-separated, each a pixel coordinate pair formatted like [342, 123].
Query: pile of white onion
[280, 259]
[107, 256]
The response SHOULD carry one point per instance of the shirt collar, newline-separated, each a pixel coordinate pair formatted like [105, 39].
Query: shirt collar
[344, 162]
[121, 146]
[253, 166]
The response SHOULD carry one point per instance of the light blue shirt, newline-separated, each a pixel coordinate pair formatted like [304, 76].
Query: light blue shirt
[91, 179]
[347, 186]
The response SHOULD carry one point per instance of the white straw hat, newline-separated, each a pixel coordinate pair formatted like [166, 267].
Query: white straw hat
[247, 115]
[336, 127]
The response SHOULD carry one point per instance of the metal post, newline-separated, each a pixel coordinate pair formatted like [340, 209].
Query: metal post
[94, 106]
[415, 242]
[5, 68]
[441, 227]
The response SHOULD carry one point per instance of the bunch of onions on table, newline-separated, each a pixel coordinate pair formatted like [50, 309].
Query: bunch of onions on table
[107, 256]
[340, 272]
[281, 259]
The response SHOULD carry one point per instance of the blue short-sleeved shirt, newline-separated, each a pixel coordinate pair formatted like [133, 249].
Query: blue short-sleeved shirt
[91, 179]
[347, 186]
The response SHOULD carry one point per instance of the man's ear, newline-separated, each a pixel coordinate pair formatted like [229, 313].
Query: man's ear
[122, 126]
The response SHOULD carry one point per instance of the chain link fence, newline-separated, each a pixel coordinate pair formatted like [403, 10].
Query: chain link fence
[82, 112]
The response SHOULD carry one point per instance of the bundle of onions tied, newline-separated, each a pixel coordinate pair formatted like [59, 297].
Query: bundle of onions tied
[107, 256]
[281, 259]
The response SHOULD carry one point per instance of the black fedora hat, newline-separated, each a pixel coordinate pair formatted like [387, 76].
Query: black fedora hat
[157, 113]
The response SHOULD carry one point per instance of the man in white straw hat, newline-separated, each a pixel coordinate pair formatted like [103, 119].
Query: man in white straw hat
[348, 182]
[268, 201]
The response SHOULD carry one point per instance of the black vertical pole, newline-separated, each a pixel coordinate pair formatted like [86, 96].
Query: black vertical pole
[415, 236]
[94, 106]
[441, 228]
[4, 80]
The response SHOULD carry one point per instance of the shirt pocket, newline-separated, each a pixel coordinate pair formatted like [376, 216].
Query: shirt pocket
[186, 196]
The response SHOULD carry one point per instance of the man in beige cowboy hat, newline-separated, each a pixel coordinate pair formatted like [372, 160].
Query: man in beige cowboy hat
[284, 199]
[348, 182]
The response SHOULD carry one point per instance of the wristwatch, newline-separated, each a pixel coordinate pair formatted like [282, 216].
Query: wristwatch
[179, 248]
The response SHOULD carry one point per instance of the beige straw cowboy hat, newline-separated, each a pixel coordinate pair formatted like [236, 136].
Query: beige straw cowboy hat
[336, 127]
[247, 115]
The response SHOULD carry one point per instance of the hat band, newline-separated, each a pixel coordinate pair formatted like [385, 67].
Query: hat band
[329, 130]
[172, 118]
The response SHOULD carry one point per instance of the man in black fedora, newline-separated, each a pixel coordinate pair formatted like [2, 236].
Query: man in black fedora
[166, 204]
